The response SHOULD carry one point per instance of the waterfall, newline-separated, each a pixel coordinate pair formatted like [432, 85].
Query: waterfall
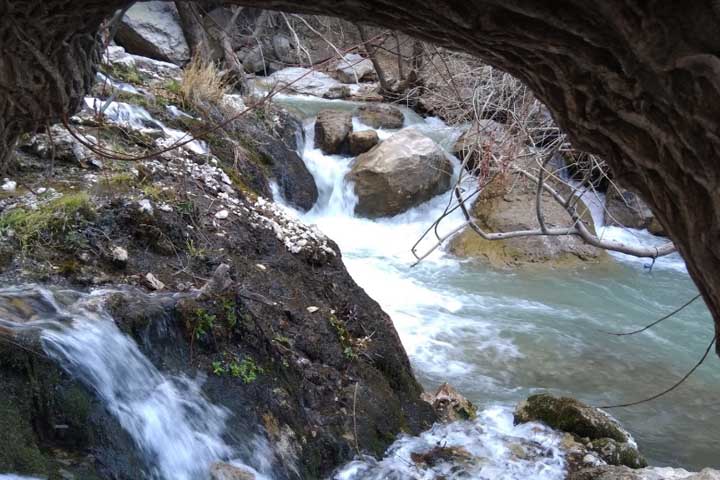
[174, 425]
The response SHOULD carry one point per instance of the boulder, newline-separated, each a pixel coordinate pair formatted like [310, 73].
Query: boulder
[363, 141]
[449, 405]
[508, 204]
[380, 115]
[353, 68]
[403, 171]
[332, 128]
[570, 415]
[152, 29]
[627, 209]
[593, 437]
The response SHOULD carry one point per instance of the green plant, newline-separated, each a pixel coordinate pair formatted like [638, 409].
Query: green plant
[218, 368]
[343, 336]
[230, 313]
[247, 369]
[51, 223]
[204, 323]
[193, 251]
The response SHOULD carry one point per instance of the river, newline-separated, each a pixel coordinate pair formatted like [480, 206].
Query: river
[498, 336]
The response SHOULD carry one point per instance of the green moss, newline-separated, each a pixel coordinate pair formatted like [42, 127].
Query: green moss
[18, 449]
[51, 223]
[124, 73]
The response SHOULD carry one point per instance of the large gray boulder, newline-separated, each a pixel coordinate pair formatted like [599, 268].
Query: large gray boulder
[403, 171]
[379, 115]
[332, 128]
[610, 472]
[152, 29]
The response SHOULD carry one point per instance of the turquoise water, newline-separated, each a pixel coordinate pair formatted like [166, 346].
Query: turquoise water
[498, 336]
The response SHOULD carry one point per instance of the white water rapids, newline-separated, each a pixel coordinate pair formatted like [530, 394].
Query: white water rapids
[496, 336]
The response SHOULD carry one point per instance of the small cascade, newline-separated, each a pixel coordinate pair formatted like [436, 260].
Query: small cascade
[174, 425]
[489, 448]
[137, 118]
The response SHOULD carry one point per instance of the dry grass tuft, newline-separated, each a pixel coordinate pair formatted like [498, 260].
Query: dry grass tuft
[203, 84]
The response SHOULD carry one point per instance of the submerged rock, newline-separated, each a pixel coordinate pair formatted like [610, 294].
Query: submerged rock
[363, 141]
[332, 128]
[225, 471]
[152, 29]
[379, 115]
[403, 171]
[593, 436]
[450, 405]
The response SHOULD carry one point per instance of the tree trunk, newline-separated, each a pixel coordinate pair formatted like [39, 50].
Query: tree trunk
[635, 81]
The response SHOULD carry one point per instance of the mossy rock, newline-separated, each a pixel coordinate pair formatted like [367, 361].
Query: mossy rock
[570, 415]
[618, 453]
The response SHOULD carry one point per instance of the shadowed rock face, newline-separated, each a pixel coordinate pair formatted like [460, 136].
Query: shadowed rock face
[634, 81]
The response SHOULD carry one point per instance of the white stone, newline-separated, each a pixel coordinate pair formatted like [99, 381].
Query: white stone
[153, 282]
[145, 206]
[222, 214]
[119, 254]
[9, 185]
[312, 309]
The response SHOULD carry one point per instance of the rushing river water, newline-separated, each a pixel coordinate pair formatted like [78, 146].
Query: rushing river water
[499, 336]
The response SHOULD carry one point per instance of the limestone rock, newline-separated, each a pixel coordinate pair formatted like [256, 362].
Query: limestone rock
[152, 29]
[508, 204]
[380, 115]
[403, 171]
[353, 68]
[363, 141]
[331, 131]
[626, 209]
[450, 405]
[119, 255]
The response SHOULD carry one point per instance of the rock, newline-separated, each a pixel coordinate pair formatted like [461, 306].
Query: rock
[656, 228]
[116, 55]
[363, 141]
[471, 142]
[353, 68]
[449, 405]
[225, 471]
[153, 283]
[337, 92]
[253, 60]
[570, 415]
[626, 209]
[61, 146]
[438, 455]
[302, 80]
[380, 115]
[9, 185]
[403, 171]
[594, 438]
[153, 29]
[608, 472]
[508, 204]
[283, 48]
[119, 255]
[222, 214]
[332, 128]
